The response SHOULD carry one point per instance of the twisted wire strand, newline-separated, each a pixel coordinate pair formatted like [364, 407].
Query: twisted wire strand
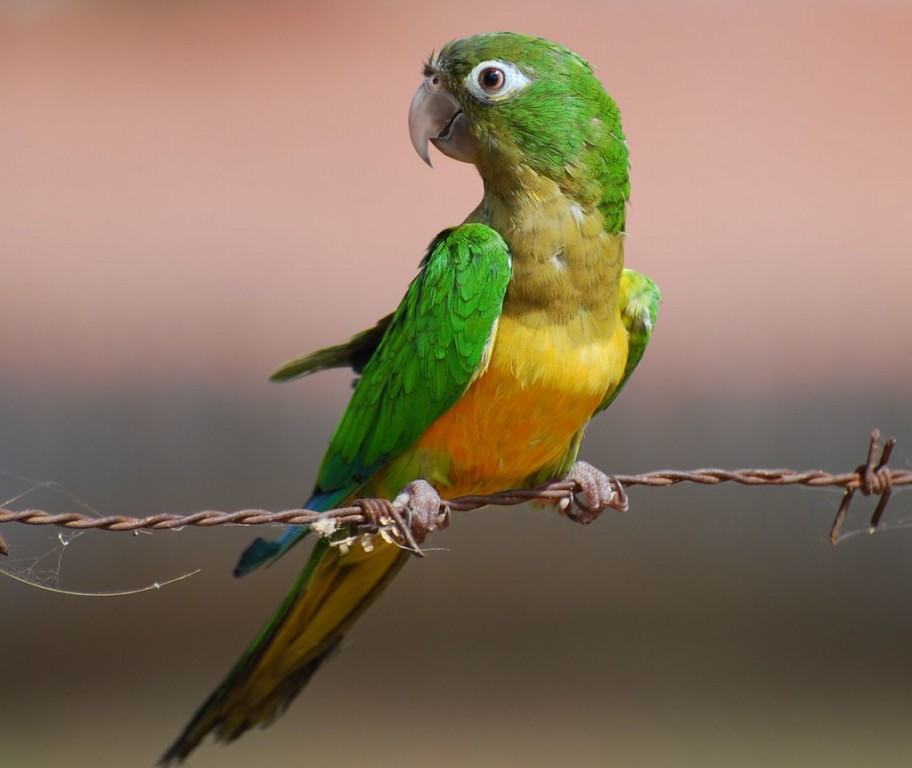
[874, 477]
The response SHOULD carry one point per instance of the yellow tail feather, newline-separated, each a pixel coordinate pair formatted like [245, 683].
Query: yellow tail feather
[334, 589]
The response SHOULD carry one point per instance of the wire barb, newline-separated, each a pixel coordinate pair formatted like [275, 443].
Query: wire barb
[874, 477]
[372, 516]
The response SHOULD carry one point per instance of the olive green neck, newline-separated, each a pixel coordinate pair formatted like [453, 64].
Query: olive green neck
[564, 261]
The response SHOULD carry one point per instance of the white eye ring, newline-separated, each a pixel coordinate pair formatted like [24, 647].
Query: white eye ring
[512, 81]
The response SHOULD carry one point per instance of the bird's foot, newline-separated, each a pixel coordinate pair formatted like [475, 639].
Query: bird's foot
[597, 492]
[410, 517]
[424, 512]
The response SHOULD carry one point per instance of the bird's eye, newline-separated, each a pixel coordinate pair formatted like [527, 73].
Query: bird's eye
[491, 79]
[495, 81]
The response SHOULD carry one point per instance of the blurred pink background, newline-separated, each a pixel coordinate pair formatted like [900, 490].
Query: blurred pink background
[195, 192]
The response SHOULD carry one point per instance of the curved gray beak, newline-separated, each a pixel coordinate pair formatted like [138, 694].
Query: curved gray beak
[435, 116]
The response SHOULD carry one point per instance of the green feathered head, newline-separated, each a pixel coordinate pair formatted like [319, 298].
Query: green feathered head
[508, 102]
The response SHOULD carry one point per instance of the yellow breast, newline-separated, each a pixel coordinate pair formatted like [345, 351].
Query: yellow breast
[523, 414]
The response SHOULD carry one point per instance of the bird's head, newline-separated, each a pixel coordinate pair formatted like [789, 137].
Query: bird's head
[506, 102]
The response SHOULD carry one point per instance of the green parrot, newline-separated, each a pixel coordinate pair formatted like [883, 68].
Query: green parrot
[521, 325]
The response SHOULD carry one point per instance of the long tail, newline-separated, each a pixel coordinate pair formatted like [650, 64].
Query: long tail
[332, 591]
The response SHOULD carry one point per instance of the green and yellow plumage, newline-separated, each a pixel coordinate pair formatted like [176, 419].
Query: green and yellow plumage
[521, 325]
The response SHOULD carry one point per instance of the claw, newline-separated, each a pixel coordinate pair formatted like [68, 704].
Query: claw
[409, 518]
[422, 506]
[596, 494]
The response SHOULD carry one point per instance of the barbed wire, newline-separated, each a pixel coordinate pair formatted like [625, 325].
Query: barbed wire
[370, 516]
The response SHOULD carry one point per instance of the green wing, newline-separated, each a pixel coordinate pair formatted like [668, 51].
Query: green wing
[353, 354]
[640, 299]
[416, 363]
[432, 348]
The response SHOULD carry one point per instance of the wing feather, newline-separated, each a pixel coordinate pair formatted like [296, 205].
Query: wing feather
[640, 299]
[431, 351]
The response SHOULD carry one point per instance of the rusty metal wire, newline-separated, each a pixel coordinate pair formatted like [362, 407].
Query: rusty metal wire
[874, 477]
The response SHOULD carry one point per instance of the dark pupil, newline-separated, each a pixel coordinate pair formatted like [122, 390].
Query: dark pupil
[491, 79]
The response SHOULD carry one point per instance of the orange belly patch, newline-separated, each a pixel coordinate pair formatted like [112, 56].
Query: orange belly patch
[523, 413]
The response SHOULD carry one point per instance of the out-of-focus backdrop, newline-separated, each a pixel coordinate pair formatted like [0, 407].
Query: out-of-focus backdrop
[193, 192]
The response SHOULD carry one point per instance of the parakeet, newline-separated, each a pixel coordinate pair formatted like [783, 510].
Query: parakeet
[521, 324]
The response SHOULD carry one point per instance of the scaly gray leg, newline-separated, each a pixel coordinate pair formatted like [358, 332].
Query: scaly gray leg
[597, 493]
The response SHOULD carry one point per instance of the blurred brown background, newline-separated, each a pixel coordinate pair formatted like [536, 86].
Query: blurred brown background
[193, 192]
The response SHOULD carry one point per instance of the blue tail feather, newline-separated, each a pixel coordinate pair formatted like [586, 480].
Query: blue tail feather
[264, 552]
